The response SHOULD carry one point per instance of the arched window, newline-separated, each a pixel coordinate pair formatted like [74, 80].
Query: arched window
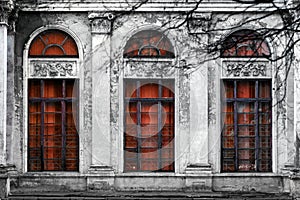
[53, 142]
[247, 108]
[149, 43]
[245, 43]
[53, 43]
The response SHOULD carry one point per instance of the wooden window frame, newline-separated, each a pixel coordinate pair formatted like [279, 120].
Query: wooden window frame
[63, 100]
[160, 100]
[257, 136]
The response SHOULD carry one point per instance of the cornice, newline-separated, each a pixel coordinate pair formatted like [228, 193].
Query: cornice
[150, 6]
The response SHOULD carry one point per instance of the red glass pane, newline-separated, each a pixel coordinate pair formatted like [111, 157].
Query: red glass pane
[228, 165]
[53, 43]
[34, 88]
[229, 89]
[149, 90]
[245, 89]
[167, 91]
[130, 89]
[228, 131]
[52, 89]
[264, 89]
[149, 43]
[245, 43]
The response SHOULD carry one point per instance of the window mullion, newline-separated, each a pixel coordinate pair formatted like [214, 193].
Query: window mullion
[63, 126]
[139, 134]
[159, 126]
[42, 126]
[235, 128]
[256, 128]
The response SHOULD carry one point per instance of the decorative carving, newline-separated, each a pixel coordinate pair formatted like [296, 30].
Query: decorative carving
[101, 26]
[246, 69]
[212, 97]
[184, 95]
[199, 23]
[149, 69]
[53, 69]
[6, 7]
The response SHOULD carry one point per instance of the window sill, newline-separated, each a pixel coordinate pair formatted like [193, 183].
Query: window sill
[248, 174]
[50, 174]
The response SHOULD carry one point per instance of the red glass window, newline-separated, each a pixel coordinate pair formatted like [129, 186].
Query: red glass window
[247, 125]
[53, 43]
[245, 43]
[149, 43]
[52, 125]
[149, 125]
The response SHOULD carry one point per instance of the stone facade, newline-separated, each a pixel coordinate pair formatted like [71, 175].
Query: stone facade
[101, 30]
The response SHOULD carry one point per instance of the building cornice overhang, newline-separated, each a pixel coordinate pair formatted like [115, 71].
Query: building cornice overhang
[153, 6]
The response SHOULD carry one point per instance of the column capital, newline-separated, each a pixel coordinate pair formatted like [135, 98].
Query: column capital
[6, 8]
[101, 23]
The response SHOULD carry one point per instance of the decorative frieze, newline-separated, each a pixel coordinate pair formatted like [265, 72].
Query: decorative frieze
[238, 69]
[149, 69]
[52, 69]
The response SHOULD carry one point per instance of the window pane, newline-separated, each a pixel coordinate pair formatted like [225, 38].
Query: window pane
[34, 88]
[229, 89]
[149, 90]
[130, 89]
[265, 107]
[264, 89]
[246, 130]
[228, 131]
[246, 142]
[228, 165]
[52, 88]
[245, 89]
[168, 89]
[71, 88]
[265, 130]
[228, 142]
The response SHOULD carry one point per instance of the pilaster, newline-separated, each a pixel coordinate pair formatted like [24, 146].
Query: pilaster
[100, 56]
[198, 161]
[6, 7]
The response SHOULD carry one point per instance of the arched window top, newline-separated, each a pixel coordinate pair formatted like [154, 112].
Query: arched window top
[53, 43]
[149, 43]
[245, 43]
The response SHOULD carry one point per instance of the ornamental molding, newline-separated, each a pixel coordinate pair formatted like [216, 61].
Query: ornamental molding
[53, 69]
[246, 69]
[101, 23]
[6, 8]
[148, 69]
[199, 23]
